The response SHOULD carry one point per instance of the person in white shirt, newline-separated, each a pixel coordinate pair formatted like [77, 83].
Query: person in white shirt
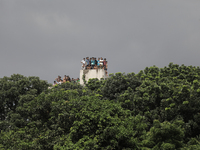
[83, 64]
[101, 63]
[61, 81]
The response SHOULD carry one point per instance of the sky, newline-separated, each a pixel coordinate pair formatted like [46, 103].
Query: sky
[47, 38]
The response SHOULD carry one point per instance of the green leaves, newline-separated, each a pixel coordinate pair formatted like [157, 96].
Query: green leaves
[158, 108]
[102, 124]
[16, 91]
[165, 135]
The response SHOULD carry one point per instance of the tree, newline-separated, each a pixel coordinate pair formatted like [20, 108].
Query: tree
[158, 108]
[15, 91]
[166, 135]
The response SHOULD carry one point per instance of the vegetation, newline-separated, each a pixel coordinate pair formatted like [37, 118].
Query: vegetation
[158, 109]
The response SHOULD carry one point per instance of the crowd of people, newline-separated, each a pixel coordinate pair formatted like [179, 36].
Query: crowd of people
[66, 78]
[87, 63]
[94, 63]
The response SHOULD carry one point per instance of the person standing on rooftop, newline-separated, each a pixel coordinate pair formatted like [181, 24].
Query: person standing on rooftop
[98, 63]
[101, 63]
[105, 66]
[104, 62]
[92, 63]
[83, 64]
[87, 61]
[95, 61]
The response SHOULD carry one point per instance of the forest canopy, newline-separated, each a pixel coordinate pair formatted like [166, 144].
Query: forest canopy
[158, 108]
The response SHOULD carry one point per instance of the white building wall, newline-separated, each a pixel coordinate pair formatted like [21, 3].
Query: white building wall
[92, 73]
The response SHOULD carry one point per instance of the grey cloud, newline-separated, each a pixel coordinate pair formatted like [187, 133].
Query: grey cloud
[49, 38]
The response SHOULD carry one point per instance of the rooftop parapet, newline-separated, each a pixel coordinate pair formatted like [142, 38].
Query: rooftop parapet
[92, 73]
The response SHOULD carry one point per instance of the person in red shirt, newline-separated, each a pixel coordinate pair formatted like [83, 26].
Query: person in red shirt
[104, 64]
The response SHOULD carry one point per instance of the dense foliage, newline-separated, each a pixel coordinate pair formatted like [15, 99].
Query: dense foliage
[158, 109]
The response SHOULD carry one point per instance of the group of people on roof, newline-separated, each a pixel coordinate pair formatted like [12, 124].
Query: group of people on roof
[94, 63]
[59, 80]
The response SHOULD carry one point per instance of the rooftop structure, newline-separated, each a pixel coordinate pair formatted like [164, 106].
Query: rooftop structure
[92, 73]
[93, 68]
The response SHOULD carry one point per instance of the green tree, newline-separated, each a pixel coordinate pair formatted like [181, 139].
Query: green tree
[15, 91]
[166, 136]
[102, 124]
[158, 108]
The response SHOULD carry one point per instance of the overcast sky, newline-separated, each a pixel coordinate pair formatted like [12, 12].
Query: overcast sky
[47, 38]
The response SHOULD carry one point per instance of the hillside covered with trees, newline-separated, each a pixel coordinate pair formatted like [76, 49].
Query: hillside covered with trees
[158, 109]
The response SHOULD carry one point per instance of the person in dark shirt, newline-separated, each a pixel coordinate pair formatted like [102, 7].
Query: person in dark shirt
[88, 67]
[95, 67]
[92, 62]
[68, 79]
[105, 66]
[73, 80]
[95, 60]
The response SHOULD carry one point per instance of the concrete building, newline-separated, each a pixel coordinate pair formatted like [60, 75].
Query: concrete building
[92, 73]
